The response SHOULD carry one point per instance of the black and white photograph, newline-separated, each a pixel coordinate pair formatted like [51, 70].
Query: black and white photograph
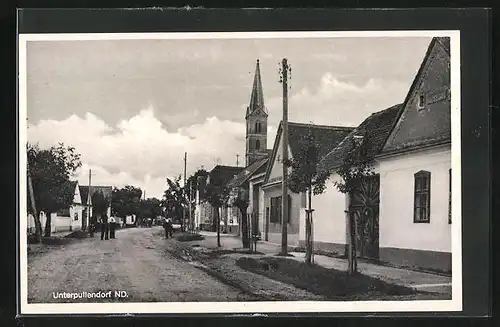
[240, 172]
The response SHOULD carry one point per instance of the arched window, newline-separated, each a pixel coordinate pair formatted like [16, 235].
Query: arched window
[257, 127]
[257, 144]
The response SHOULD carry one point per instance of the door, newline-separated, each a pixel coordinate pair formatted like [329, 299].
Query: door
[365, 208]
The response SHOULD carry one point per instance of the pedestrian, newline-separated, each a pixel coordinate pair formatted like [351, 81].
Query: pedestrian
[112, 227]
[92, 226]
[165, 227]
[170, 227]
[104, 227]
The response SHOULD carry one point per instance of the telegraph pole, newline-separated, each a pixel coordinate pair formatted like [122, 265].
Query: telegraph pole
[88, 202]
[190, 199]
[183, 208]
[284, 135]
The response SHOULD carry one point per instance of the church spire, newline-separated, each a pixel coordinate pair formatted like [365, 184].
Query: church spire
[257, 97]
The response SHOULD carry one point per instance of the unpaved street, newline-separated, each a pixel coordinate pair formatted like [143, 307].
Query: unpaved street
[135, 262]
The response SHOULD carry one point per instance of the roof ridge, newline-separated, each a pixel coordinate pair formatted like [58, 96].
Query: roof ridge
[321, 126]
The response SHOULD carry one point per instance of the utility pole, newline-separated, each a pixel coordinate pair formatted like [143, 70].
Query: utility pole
[284, 135]
[191, 227]
[85, 224]
[183, 208]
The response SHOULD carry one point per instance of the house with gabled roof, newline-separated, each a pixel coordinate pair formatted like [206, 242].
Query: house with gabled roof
[403, 212]
[75, 217]
[415, 169]
[327, 138]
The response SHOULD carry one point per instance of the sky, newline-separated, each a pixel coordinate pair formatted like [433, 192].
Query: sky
[132, 108]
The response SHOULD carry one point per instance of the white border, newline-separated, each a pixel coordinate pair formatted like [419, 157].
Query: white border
[250, 307]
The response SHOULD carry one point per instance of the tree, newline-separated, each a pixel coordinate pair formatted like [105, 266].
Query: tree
[125, 201]
[150, 208]
[174, 200]
[217, 196]
[240, 200]
[357, 165]
[100, 203]
[50, 171]
[306, 177]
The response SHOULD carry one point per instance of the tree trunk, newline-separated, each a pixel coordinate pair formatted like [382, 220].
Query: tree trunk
[38, 228]
[218, 226]
[309, 243]
[244, 228]
[351, 252]
[225, 219]
[48, 224]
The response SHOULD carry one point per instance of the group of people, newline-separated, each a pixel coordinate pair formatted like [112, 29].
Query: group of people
[107, 226]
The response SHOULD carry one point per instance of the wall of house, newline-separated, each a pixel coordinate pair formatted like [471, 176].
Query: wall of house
[274, 235]
[277, 167]
[426, 245]
[329, 219]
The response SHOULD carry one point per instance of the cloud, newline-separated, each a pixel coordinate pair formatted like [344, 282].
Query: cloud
[334, 101]
[140, 150]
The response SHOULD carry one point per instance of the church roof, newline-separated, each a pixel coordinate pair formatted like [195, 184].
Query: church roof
[257, 96]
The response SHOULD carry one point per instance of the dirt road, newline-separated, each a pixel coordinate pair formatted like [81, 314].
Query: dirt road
[135, 262]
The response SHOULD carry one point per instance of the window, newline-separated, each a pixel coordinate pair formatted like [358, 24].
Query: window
[449, 197]
[421, 212]
[257, 144]
[275, 212]
[421, 101]
[257, 127]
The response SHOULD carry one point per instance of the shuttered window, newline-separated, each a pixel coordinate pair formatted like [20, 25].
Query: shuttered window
[421, 213]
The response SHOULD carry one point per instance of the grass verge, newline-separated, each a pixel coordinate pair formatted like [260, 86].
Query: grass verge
[331, 283]
[188, 237]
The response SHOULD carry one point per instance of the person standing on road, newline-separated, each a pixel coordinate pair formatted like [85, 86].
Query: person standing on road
[112, 227]
[104, 227]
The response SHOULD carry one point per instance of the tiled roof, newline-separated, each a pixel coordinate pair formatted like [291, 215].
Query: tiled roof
[374, 129]
[246, 173]
[107, 191]
[327, 137]
[221, 175]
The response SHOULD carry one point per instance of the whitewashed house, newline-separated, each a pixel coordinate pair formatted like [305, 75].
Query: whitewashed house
[404, 211]
[327, 137]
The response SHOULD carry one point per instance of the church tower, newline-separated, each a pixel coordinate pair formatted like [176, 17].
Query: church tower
[256, 121]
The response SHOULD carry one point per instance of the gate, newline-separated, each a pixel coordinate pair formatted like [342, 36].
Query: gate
[364, 206]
